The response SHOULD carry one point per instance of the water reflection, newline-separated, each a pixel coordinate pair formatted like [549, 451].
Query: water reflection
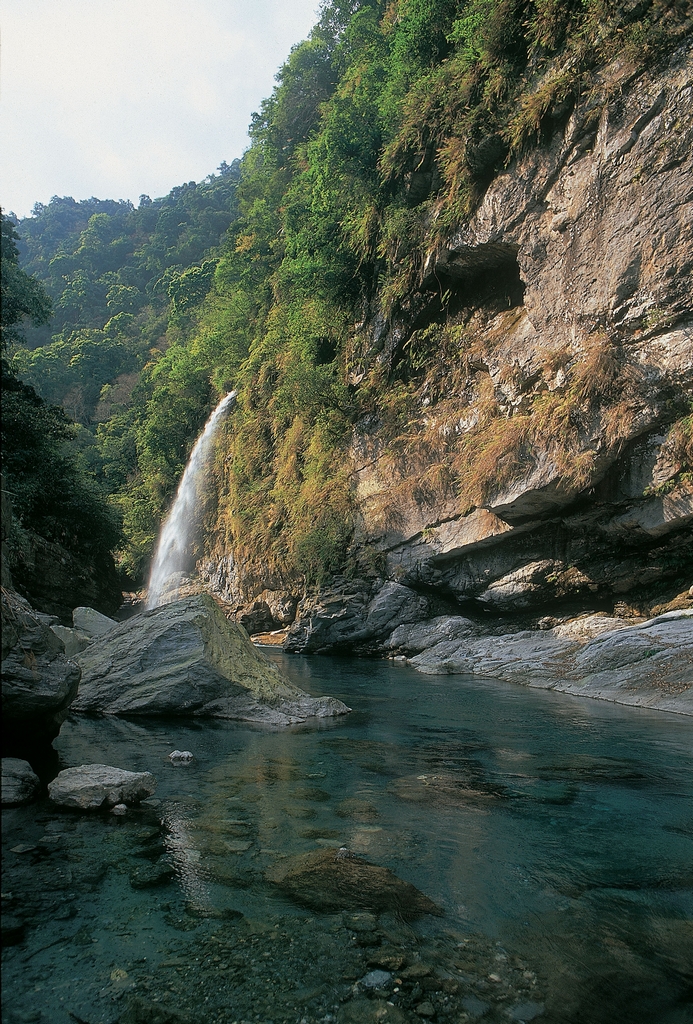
[556, 827]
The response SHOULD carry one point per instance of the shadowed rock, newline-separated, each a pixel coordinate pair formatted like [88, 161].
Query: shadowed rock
[38, 681]
[329, 880]
[19, 783]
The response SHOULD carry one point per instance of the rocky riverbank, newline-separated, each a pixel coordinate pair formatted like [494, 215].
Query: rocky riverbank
[184, 658]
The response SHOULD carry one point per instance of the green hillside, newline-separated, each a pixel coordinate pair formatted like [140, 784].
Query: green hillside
[380, 138]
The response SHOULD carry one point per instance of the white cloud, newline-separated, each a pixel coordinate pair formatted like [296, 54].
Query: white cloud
[117, 97]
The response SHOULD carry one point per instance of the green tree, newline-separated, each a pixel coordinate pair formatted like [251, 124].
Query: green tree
[23, 298]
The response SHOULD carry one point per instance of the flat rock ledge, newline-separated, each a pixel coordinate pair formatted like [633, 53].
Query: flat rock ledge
[94, 787]
[187, 658]
[19, 782]
[645, 665]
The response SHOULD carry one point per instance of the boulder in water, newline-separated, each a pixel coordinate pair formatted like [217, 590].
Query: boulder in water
[331, 880]
[92, 787]
[187, 658]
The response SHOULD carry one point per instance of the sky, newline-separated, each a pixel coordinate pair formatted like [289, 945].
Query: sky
[115, 98]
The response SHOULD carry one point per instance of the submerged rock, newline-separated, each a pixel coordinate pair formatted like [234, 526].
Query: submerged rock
[19, 783]
[444, 790]
[187, 658]
[328, 880]
[91, 787]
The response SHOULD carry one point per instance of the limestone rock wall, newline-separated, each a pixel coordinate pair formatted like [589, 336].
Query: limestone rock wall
[588, 241]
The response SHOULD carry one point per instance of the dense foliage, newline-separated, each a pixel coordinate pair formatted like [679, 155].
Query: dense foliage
[382, 133]
[52, 494]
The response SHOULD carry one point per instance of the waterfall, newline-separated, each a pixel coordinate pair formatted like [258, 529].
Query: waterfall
[172, 556]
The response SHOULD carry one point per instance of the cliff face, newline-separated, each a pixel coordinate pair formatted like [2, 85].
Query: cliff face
[543, 461]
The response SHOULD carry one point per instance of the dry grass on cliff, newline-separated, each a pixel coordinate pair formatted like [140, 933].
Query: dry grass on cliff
[570, 427]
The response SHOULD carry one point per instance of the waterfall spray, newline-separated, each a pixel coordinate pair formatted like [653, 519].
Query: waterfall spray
[172, 552]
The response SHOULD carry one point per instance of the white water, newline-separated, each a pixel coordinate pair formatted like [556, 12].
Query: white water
[172, 556]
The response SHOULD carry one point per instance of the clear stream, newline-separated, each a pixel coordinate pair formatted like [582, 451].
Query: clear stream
[556, 834]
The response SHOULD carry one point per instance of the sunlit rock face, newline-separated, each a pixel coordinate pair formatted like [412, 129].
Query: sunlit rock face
[570, 292]
[598, 223]
[187, 658]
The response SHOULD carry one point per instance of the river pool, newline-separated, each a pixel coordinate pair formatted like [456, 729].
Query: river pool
[554, 833]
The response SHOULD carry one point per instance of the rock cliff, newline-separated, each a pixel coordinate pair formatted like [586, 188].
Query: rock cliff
[542, 460]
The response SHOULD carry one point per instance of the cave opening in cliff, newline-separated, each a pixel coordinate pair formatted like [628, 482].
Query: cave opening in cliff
[469, 279]
[485, 276]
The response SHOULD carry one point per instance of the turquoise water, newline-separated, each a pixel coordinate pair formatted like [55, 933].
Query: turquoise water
[555, 834]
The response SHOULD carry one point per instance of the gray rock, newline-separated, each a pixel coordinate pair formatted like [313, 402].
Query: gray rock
[187, 658]
[91, 622]
[354, 617]
[73, 641]
[38, 681]
[180, 756]
[19, 783]
[649, 664]
[92, 787]
[521, 588]
[413, 638]
[375, 979]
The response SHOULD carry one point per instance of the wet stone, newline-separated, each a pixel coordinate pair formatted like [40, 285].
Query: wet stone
[152, 877]
[387, 960]
[335, 880]
[357, 810]
[376, 979]
[426, 1009]
[476, 1008]
[361, 922]
[526, 1011]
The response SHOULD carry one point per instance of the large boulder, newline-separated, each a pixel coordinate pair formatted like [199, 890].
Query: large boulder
[19, 783]
[38, 681]
[187, 658]
[92, 787]
[354, 613]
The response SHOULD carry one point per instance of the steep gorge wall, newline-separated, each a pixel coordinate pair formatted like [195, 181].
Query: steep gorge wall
[545, 456]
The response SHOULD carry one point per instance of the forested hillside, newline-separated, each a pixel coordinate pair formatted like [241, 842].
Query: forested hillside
[309, 284]
[124, 284]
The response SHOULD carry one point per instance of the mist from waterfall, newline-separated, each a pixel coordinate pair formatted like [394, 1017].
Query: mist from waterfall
[172, 556]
